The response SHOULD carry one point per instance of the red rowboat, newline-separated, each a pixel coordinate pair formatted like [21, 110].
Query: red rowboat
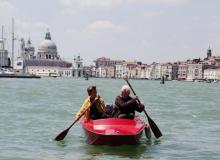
[113, 131]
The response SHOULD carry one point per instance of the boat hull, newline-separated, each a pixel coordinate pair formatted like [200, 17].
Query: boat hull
[113, 131]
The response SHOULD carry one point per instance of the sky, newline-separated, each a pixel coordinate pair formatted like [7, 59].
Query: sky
[141, 30]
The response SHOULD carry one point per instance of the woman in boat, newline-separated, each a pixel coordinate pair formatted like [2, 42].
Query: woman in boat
[96, 111]
[125, 106]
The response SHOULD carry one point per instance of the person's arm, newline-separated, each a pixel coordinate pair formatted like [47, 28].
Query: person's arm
[139, 107]
[102, 103]
[83, 108]
[124, 105]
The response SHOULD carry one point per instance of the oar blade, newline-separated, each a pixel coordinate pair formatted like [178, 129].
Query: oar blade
[147, 132]
[154, 128]
[152, 124]
[62, 135]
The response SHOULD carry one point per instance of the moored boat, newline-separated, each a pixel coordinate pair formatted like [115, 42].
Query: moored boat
[113, 131]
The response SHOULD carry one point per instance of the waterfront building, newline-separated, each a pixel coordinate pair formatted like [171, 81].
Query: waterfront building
[27, 50]
[110, 72]
[212, 60]
[195, 70]
[78, 67]
[148, 72]
[212, 74]
[143, 71]
[93, 71]
[215, 61]
[121, 70]
[151, 71]
[47, 49]
[105, 72]
[169, 71]
[209, 53]
[135, 71]
[164, 70]
[182, 71]
[47, 62]
[104, 61]
[48, 68]
[155, 71]
[87, 71]
[173, 71]
[127, 69]
[4, 60]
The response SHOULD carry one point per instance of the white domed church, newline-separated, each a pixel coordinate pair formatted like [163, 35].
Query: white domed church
[47, 62]
[47, 49]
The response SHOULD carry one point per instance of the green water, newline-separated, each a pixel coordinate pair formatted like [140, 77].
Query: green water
[34, 111]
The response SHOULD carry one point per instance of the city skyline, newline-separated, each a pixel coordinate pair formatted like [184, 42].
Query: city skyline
[144, 30]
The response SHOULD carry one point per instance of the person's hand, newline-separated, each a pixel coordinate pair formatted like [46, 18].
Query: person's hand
[142, 106]
[97, 97]
[134, 99]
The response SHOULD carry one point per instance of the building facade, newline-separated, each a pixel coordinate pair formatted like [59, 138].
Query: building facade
[78, 67]
[47, 62]
[195, 71]
[182, 71]
[212, 74]
[27, 50]
[4, 60]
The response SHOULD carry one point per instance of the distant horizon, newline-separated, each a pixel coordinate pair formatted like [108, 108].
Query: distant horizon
[147, 30]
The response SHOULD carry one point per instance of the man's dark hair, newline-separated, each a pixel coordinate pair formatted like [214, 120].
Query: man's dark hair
[90, 88]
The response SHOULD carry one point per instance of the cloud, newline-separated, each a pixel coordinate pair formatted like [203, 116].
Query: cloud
[30, 24]
[72, 6]
[29, 29]
[5, 5]
[6, 10]
[88, 4]
[152, 14]
[105, 25]
[146, 44]
[159, 2]
[215, 45]
[97, 28]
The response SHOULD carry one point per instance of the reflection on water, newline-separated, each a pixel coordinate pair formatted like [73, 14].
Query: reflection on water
[131, 151]
[62, 143]
[138, 151]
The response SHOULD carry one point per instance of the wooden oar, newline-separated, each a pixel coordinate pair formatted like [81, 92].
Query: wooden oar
[63, 134]
[152, 124]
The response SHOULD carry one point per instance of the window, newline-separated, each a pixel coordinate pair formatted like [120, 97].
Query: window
[19, 64]
[196, 72]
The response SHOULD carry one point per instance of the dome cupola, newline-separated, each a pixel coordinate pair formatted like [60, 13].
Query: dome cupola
[47, 48]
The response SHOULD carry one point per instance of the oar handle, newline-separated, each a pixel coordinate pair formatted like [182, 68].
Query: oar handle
[152, 124]
[84, 111]
[126, 79]
[75, 121]
[63, 134]
[146, 113]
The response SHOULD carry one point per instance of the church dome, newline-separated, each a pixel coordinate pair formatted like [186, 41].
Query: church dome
[47, 45]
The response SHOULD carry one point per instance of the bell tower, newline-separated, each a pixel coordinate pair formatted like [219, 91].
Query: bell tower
[209, 52]
[78, 67]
